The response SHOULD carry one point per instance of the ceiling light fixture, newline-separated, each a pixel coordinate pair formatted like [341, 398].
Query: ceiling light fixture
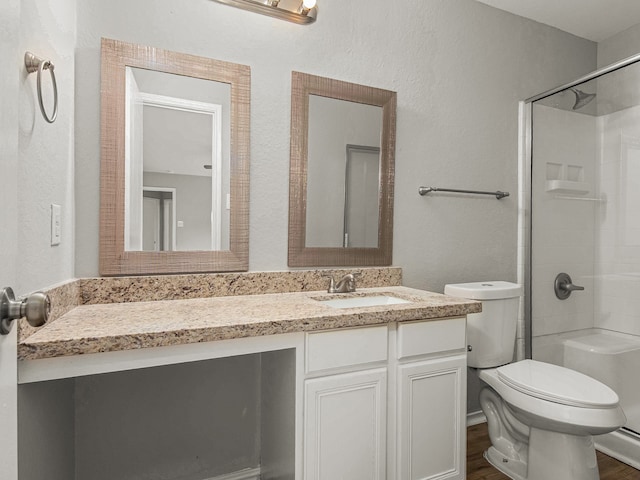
[296, 11]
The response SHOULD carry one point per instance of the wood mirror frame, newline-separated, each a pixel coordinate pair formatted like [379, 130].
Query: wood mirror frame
[114, 259]
[303, 85]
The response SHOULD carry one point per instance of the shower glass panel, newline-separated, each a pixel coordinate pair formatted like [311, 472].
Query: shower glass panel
[585, 221]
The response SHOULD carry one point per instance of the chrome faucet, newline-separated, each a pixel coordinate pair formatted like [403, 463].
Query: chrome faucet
[346, 284]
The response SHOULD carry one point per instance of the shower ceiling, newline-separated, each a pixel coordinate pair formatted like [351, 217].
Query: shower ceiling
[592, 19]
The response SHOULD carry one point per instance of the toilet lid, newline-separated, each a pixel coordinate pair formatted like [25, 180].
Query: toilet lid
[557, 384]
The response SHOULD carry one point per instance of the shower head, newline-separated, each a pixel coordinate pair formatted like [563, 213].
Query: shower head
[582, 98]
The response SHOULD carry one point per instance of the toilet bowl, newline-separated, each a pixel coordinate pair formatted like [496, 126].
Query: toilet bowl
[540, 417]
[556, 412]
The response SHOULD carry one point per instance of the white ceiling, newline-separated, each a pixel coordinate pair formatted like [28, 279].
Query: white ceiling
[592, 19]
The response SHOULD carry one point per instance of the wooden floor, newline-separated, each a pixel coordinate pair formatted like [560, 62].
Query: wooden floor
[479, 469]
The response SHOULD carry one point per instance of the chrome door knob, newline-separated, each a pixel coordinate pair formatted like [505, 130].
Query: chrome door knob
[36, 307]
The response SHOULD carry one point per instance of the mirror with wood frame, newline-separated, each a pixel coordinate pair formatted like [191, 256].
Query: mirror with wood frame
[341, 174]
[174, 162]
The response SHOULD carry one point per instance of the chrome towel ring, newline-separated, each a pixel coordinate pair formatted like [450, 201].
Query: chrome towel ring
[36, 64]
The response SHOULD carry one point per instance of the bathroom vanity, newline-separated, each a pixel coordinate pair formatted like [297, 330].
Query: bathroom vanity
[253, 386]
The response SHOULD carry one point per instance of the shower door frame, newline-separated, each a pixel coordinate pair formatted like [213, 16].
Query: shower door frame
[525, 217]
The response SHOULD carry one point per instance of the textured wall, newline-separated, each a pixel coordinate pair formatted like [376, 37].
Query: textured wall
[187, 421]
[46, 151]
[620, 46]
[9, 50]
[459, 68]
[46, 412]
[36, 168]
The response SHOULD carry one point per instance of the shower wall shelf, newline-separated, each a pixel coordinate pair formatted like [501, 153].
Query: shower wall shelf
[567, 186]
[602, 199]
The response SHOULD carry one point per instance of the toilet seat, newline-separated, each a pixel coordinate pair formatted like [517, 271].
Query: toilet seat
[557, 384]
[552, 415]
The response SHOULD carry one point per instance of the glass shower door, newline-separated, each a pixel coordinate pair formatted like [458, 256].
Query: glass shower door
[585, 222]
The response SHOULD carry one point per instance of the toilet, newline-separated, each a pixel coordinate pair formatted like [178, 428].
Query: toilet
[541, 417]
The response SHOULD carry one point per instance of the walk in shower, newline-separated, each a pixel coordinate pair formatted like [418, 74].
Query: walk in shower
[581, 216]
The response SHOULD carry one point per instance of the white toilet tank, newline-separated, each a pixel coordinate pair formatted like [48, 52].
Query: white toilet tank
[491, 334]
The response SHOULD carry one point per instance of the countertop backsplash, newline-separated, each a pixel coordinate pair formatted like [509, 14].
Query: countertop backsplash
[104, 290]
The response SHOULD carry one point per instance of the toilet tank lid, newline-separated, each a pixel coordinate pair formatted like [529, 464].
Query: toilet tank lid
[492, 290]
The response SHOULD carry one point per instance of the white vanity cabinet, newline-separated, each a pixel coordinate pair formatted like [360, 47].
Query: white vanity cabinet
[345, 404]
[345, 426]
[386, 402]
[431, 400]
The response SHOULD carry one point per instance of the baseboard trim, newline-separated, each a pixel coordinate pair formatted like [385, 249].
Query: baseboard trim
[621, 445]
[245, 474]
[475, 418]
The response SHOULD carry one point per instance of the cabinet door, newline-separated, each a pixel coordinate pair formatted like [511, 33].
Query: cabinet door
[431, 419]
[345, 426]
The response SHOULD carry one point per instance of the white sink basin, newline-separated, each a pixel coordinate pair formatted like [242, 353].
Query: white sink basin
[355, 302]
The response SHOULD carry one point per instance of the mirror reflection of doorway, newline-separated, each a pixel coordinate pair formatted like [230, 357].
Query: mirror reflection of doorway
[158, 219]
[361, 205]
[177, 142]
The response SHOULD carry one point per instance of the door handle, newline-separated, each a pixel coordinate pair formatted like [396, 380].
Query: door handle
[36, 307]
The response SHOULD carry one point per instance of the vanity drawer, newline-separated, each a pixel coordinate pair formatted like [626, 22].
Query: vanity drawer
[426, 337]
[345, 348]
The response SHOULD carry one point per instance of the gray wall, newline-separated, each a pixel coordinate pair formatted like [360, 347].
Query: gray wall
[459, 67]
[188, 421]
[9, 49]
[46, 150]
[47, 430]
[37, 159]
[620, 46]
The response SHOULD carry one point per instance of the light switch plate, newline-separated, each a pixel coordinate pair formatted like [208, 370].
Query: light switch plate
[56, 224]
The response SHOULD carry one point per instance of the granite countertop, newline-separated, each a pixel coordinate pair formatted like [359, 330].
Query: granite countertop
[126, 326]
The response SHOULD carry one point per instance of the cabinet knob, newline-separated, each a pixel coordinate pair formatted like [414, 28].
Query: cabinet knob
[36, 307]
